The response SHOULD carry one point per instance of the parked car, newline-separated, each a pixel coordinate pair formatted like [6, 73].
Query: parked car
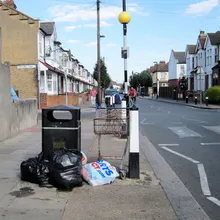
[115, 93]
[111, 91]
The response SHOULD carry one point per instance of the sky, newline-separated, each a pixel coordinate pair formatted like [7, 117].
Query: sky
[156, 27]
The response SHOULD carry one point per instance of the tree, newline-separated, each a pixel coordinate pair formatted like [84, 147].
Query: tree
[134, 80]
[145, 79]
[142, 79]
[105, 78]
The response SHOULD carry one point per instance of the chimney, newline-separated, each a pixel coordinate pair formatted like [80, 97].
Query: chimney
[10, 3]
[162, 62]
[202, 32]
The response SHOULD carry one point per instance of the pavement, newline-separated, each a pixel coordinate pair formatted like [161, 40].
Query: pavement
[183, 148]
[142, 199]
[183, 102]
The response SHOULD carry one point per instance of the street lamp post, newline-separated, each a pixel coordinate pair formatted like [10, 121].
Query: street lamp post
[124, 18]
[133, 123]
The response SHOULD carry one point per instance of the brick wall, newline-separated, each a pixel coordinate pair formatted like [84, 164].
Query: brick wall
[53, 100]
[25, 81]
[19, 40]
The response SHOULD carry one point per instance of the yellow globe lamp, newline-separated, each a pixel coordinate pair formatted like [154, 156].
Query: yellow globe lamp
[124, 17]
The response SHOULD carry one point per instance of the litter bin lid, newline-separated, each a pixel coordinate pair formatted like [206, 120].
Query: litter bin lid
[63, 107]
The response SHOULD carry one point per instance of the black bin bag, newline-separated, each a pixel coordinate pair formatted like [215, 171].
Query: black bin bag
[65, 170]
[35, 170]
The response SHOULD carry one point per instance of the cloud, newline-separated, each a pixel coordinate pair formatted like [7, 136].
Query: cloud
[102, 24]
[134, 8]
[74, 41]
[92, 44]
[83, 12]
[203, 7]
[110, 45]
[70, 28]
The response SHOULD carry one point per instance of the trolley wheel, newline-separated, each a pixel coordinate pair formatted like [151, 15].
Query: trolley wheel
[122, 174]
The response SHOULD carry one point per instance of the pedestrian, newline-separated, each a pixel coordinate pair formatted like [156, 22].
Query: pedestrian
[132, 93]
[93, 96]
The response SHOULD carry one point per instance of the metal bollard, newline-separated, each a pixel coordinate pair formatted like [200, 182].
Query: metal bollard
[123, 111]
[207, 101]
[196, 100]
[113, 100]
[187, 99]
[134, 166]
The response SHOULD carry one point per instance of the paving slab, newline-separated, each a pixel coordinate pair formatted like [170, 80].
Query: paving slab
[25, 214]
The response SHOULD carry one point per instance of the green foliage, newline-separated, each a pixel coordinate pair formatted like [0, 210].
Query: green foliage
[213, 94]
[142, 79]
[123, 86]
[105, 78]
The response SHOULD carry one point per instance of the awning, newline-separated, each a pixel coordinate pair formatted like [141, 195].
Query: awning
[194, 70]
[49, 67]
[217, 66]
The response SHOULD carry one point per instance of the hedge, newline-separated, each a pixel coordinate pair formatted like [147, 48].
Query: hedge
[213, 94]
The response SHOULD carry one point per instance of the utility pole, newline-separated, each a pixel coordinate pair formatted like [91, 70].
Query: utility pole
[98, 53]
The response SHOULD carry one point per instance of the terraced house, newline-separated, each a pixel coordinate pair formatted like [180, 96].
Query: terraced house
[202, 60]
[19, 48]
[60, 72]
[39, 66]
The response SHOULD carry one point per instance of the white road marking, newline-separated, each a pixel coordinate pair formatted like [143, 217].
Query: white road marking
[176, 122]
[208, 144]
[215, 129]
[203, 180]
[168, 145]
[214, 200]
[184, 132]
[181, 155]
[143, 122]
[196, 120]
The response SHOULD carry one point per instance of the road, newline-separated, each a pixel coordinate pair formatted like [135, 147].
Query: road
[189, 141]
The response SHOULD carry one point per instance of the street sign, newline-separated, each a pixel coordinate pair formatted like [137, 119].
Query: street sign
[26, 66]
[124, 52]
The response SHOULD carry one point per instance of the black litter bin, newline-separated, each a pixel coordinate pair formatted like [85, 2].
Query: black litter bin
[61, 128]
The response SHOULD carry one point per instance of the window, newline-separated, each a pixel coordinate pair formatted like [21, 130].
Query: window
[55, 83]
[40, 45]
[162, 76]
[70, 86]
[193, 62]
[42, 83]
[182, 70]
[49, 82]
[216, 55]
[196, 60]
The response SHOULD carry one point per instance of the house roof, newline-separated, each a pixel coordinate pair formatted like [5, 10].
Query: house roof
[191, 48]
[47, 27]
[163, 68]
[52, 68]
[180, 57]
[214, 38]
[19, 12]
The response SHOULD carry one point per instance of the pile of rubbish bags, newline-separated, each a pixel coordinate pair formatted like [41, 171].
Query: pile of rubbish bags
[64, 171]
[67, 170]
